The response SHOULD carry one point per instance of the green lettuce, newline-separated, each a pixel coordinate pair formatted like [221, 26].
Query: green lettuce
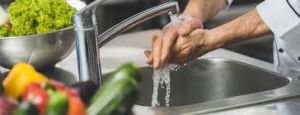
[29, 17]
[5, 30]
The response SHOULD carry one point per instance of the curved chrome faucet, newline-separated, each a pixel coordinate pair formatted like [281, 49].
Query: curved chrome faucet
[88, 41]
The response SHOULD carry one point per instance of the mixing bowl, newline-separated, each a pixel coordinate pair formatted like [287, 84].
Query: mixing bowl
[40, 50]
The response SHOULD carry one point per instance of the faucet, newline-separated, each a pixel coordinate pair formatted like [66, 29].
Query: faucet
[88, 41]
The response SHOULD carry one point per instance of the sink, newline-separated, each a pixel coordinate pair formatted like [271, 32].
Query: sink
[214, 84]
[210, 79]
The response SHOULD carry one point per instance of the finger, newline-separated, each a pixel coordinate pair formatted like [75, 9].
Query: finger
[180, 59]
[167, 42]
[150, 60]
[147, 53]
[172, 27]
[157, 43]
[149, 56]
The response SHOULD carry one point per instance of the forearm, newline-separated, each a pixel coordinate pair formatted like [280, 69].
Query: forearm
[247, 26]
[204, 9]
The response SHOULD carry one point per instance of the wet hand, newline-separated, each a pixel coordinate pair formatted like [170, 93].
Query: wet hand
[184, 49]
[180, 27]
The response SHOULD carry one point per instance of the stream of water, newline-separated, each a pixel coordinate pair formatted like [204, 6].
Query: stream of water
[162, 78]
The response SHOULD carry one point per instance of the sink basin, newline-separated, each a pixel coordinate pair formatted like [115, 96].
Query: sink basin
[210, 79]
[214, 84]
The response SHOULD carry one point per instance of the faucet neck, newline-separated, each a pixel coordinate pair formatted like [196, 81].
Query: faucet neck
[88, 41]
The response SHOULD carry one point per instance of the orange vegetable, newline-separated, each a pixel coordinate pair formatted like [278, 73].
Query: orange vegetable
[21, 75]
[76, 106]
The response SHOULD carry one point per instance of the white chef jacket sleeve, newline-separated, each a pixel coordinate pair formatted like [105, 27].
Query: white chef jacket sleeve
[282, 17]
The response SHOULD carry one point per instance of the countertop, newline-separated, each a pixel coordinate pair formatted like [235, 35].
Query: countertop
[130, 47]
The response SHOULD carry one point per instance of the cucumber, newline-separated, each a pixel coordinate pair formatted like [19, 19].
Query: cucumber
[1, 81]
[117, 95]
[27, 108]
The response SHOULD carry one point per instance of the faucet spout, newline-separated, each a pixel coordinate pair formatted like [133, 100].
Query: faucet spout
[170, 8]
[88, 41]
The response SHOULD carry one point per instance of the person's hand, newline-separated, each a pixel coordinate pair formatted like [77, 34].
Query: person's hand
[183, 25]
[180, 27]
[186, 48]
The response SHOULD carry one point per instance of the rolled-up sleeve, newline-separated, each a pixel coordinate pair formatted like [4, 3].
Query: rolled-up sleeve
[281, 16]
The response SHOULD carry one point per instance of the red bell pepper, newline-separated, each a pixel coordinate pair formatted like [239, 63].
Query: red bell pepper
[35, 93]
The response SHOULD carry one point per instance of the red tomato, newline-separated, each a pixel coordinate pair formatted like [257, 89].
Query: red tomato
[36, 94]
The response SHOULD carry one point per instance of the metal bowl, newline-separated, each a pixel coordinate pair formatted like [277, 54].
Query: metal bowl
[40, 50]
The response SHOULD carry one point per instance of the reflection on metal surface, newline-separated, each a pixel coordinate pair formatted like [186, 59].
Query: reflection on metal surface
[41, 50]
[60, 74]
[209, 85]
[209, 80]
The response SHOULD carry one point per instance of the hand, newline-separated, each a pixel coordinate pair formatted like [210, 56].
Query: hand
[186, 48]
[183, 25]
[180, 27]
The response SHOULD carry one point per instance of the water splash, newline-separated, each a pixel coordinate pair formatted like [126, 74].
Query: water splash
[162, 78]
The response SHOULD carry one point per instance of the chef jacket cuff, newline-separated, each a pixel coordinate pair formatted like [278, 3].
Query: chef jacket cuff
[279, 17]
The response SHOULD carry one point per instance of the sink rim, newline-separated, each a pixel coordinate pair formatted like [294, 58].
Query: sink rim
[286, 91]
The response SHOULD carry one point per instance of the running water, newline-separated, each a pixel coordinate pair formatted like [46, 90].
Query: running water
[162, 78]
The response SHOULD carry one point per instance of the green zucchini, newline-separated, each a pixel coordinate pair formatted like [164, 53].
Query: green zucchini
[117, 94]
[27, 108]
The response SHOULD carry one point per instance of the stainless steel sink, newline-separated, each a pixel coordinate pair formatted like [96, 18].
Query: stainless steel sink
[214, 84]
[210, 79]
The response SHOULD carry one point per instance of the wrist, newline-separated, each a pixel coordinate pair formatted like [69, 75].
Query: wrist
[204, 9]
[217, 37]
[184, 17]
[195, 8]
[193, 15]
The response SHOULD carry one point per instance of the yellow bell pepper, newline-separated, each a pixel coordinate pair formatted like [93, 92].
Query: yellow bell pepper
[21, 75]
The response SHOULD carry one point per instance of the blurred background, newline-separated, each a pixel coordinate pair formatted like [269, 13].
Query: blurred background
[114, 11]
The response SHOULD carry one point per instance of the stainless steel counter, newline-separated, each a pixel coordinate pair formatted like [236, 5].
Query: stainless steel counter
[130, 47]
